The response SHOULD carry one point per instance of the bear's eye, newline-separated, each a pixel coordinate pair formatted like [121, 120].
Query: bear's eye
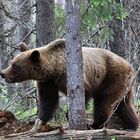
[14, 66]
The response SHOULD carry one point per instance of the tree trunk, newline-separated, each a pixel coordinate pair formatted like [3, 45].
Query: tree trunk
[133, 38]
[45, 28]
[2, 39]
[22, 30]
[24, 13]
[126, 35]
[133, 30]
[75, 86]
[44, 22]
[119, 44]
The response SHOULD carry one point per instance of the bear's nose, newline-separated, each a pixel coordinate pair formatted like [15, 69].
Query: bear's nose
[2, 74]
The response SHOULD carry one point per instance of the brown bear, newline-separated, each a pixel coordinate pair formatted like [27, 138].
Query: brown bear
[106, 77]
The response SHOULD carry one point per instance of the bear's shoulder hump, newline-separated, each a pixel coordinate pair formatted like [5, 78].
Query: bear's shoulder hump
[58, 43]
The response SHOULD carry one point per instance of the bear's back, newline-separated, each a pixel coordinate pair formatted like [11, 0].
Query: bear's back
[97, 63]
[100, 63]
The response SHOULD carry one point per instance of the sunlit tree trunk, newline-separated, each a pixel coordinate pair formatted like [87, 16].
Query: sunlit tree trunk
[75, 86]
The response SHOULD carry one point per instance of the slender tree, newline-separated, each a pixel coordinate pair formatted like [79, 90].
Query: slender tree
[22, 30]
[45, 22]
[2, 39]
[75, 86]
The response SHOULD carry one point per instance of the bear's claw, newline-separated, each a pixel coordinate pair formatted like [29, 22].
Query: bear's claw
[37, 125]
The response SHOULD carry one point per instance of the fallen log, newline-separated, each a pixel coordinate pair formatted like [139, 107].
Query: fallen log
[101, 134]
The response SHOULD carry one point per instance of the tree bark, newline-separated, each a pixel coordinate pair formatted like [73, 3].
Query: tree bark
[2, 39]
[119, 44]
[75, 86]
[45, 28]
[24, 13]
[133, 38]
[133, 30]
[22, 30]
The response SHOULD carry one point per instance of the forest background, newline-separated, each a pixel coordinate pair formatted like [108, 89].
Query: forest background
[109, 24]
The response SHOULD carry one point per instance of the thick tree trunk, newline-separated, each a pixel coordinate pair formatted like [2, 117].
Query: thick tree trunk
[75, 86]
[45, 28]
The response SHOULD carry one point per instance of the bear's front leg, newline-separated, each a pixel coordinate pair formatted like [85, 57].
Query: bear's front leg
[48, 101]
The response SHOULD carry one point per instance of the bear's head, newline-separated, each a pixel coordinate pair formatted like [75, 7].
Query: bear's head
[25, 66]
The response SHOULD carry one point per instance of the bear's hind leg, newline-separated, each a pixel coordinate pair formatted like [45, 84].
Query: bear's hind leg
[102, 111]
[126, 112]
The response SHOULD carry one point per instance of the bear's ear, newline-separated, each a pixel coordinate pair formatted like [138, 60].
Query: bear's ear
[35, 56]
[23, 47]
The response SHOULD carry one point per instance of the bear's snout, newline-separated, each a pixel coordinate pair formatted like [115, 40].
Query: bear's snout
[2, 74]
[6, 76]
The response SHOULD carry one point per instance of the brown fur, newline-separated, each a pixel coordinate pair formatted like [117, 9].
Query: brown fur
[23, 47]
[105, 77]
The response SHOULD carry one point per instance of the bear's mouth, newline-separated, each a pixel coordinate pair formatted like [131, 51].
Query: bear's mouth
[9, 81]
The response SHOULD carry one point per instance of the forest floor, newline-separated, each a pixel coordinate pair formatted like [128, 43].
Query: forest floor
[10, 125]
